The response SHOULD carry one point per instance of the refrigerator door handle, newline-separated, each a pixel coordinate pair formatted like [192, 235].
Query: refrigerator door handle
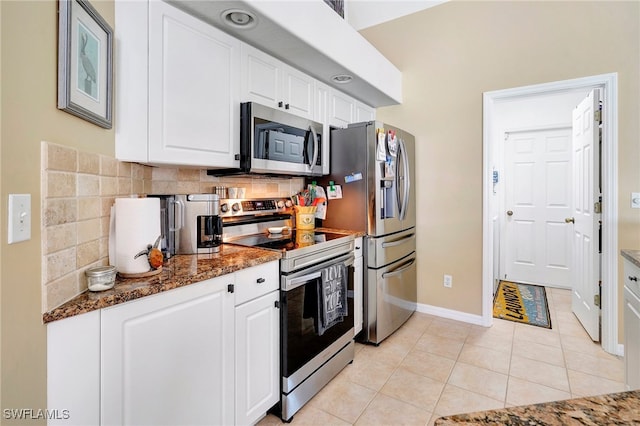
[399, 242]
[406, 180]
[400, 270]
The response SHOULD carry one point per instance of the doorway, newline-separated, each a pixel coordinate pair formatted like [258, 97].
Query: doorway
[493, 163]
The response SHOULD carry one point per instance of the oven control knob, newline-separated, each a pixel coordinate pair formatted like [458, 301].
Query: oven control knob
[280, 204]
[288, 203]
[224, 207]
[235, 207]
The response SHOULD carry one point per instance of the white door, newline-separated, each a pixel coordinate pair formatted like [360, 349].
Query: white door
[586, 213]
[537, 200]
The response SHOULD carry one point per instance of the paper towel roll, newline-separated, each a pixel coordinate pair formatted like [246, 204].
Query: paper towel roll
[136, 224]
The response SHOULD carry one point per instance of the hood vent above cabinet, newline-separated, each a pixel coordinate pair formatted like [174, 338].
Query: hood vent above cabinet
[311, 37]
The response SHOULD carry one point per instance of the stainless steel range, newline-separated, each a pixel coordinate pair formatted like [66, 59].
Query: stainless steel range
[312, 350]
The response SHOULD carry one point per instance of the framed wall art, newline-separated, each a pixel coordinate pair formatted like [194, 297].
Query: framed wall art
[85, 63]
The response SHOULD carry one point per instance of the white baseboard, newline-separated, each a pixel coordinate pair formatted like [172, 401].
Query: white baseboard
[451, 314]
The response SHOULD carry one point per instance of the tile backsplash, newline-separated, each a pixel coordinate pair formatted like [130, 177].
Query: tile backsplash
[78, 190]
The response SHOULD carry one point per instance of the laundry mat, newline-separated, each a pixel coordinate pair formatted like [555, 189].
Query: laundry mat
[524, 303]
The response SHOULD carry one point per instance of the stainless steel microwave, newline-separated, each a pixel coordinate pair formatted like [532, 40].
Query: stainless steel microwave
[278, 142]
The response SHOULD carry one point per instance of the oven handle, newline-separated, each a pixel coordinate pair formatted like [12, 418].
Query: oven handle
[297, 281]
[399, 270]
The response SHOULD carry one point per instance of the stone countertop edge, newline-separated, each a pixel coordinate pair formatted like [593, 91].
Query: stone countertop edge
[632, 256]
[179, 271]
[621, 408]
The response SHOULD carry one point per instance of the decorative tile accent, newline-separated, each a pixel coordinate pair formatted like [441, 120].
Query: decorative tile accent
[78, 190]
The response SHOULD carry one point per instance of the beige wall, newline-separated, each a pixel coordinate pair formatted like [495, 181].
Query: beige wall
[29, 116]
[452, 53]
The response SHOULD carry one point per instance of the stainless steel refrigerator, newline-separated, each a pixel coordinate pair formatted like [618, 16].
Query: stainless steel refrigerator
[374, 165]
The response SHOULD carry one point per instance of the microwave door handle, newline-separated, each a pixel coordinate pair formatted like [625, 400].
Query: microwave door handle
[315, 147]
[399, 271]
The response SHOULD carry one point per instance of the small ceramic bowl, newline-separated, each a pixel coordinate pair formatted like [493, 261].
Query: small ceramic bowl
[277, 229]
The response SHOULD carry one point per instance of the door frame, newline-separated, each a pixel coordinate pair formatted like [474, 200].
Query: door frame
[609, 160]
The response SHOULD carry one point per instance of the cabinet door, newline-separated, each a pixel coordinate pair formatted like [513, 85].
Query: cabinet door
[167, 359]
[631, 340]
[194, 91]
[299, 92]
[261, 77]
[364, 112]
[257, 357]
[341, 109]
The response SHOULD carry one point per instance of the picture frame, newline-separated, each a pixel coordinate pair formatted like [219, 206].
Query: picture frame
[85, 63]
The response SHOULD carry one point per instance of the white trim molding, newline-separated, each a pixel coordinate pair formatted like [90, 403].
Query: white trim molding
[609, 85]
[451, 314]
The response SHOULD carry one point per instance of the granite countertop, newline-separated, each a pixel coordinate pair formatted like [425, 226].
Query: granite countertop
[180, 270]
[632, 255]
[612, 409]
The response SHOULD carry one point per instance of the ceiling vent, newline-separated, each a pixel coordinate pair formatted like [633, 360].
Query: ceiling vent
[238, 18]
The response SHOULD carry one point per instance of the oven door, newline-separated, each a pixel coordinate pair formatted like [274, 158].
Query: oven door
[303, 348]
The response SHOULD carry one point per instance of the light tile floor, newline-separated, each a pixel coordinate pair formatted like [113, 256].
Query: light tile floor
[432, 367]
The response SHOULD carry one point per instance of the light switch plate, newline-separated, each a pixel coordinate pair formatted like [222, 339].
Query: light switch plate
[19, 218]
[635, 200]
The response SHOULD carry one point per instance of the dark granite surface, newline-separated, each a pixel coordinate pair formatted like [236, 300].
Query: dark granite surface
[612, 409]
[178, 271]
[632, 255]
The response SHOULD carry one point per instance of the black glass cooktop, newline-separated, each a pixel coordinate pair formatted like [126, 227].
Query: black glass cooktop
[288, 240]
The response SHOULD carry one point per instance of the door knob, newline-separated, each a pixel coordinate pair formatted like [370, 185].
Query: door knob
[509, 213]
[570, 220]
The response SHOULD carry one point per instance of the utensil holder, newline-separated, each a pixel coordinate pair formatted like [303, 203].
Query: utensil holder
[305, 217]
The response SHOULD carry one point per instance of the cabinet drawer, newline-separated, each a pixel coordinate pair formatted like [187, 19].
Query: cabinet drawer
[256, 281]
[632, 277]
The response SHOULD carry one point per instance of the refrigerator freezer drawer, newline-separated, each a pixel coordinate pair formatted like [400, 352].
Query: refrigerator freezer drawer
[391, 298]
[384, 250]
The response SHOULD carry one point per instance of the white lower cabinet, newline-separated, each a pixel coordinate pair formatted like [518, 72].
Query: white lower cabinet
[73, 370]
[257, 357]
[631, 326]
[168, 359]
[257, 351]
[203, 354]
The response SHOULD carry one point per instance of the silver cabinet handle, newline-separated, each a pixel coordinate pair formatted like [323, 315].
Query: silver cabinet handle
[509, 213]
[260, 280]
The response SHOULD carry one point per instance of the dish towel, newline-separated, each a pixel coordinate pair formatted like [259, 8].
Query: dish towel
[332, 297]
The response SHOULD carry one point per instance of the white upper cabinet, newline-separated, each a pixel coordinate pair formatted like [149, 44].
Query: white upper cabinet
[270, 82]
[185, 109]
[338, 109]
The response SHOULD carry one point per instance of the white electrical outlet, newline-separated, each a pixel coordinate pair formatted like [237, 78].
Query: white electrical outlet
[448, 281]
[19, 218]
[635, 200]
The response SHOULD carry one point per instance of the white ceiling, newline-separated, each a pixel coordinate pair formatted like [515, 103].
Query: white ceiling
[366, 13]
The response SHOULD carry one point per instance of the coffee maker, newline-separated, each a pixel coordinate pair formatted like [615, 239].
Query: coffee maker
[191, 224]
